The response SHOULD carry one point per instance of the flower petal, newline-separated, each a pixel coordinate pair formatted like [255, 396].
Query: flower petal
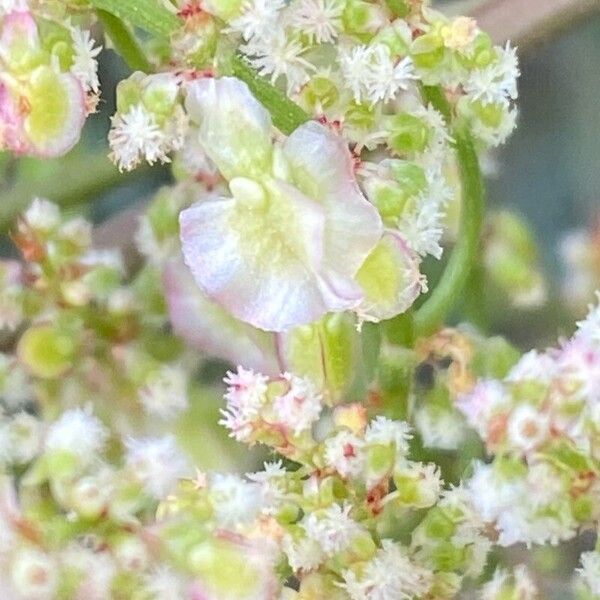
[57, 112]
[322, 168]
[265, 265]
[209, 328]
[234, 128]
[390, 279]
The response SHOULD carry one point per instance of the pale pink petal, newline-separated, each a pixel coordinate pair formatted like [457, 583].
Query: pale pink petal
[322, 168]
[234, 128]
[208, 327]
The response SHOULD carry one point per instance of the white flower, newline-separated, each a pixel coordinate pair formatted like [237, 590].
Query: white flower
[85, 65]
[319, 20]
[34, 574]
[440, 427]
[485, 399]
[271, 485]
[423, 228]
[355, 62]
[590, 326]
[300, 406]
[42, 215]
[333, 529]
[96, 569]
[78, 432]
[533, 366]
[8, 6]
[164, 584]
[344, 453]
[304, 554]
[246, 395]
[384, 431]
[25, 435]
[590, 571]
[157, 463]
[527, 428]
[258, 18]
[388, 76]
[390, 575]
[234, 500]
[497, 83]
[164, 394]
[278, 55]
[134, 136]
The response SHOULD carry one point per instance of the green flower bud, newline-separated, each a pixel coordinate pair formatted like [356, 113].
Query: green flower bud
[320, 91]
[399, 8]
[408, 134]
[46, 351]
[363, 19]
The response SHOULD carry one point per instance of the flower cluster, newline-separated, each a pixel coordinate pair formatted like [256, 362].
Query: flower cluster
[541, 425]
[48, 80]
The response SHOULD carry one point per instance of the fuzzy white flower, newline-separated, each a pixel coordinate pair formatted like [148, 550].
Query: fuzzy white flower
[384, 431]
[319, 20]
[34, 574]
[527, 428]
[304, 554]
[85, 65]
[423, 229]
[440, 427]
[333, 529]
[300, 406]
[271, 485]
[235, 501]
[590, 571]
[355, 62]
[78, 432]
[344, 453]
[164, 584]
[258, 18]
[157, 463]
[42, 215]
[388, 76]
[164, 394]
[246, 395]
[135, 136]
[389, 575]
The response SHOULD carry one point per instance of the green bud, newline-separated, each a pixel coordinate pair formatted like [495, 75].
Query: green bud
[363, 19]
[380, 461]
[428, 51]
[320, 91]
[408, 134]
[47, 352]
[361, 116]
[399, 8]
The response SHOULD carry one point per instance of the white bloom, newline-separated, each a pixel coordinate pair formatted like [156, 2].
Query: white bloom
[8, 6]
[497, 83]
[390, 575]
[590, 326]
[533, 366]
[527, 428]
[164, 584]
[300, 406]
[85, 65]
[355, 62]
[96, 569]
[246, 395]
[271, 485]
[423, 229]
[278, 55]
[384, 431]
[42, 215]
[579, 368]
[590, 571]
[485, 399]
[440, 427]
[258, 19]
[304, 554]
[134, 136]
[164, 394]
[78, 432]
[234, 500]
[344, 453]
[319, 20]
[333, 529]
[34, 574]
[388, 76]
[157, 463]
[25, 435]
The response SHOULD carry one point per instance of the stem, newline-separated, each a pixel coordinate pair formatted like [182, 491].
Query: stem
[452, 284]
[124, 42]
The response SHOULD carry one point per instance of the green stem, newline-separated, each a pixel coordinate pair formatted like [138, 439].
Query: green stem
[124, 42]
[464, 255]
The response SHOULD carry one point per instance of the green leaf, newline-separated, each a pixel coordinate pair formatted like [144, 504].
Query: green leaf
[149, 15]
[287, 115]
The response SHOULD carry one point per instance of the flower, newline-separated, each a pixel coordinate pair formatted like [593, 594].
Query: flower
[284, 250]
[344, 453]
[590, 571]
[157, 463]
[77, 432]
[165, 392]
[319, 20]
[300, 406]
[333, 529]
[390, 574]
[85, 65]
